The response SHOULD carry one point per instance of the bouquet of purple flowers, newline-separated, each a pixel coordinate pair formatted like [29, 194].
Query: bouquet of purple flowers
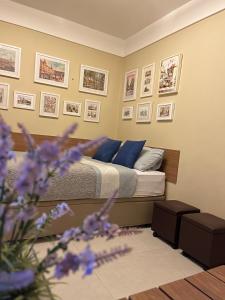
[21, 272]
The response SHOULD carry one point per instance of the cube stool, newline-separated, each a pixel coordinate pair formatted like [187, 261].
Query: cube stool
[167, 217]
[202, 236]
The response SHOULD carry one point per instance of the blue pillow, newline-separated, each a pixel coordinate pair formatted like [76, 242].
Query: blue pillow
[107, 150]
[128, 153]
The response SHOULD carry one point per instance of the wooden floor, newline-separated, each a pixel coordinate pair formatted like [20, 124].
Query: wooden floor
[202, 286]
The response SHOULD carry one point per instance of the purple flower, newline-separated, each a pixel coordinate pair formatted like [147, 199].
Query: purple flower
[70, 234]
[60, 210]
[87, 260]
[15, 280]
[26, 213]
[48, 152]
[27, 136]
[71, 262]
[41, 221]
[66, 134]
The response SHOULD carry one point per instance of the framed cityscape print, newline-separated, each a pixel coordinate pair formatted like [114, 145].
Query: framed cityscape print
[147, 80]
[93, 80]
[144, 112]
[130, 85]
[10, 57]
[4, 95]
[72, 108]
[92, 111]
[170, 74]
[127, 112]
[49, 105]
[24, 100]
[51, 70]
[165, 112]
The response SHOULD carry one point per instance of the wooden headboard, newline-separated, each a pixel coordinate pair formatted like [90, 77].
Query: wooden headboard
[169, 166]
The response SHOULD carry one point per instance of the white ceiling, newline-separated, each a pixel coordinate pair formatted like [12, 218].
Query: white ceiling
[120, 18]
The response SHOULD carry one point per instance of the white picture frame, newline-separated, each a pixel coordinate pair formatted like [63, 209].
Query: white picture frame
[24, 100]
[92, 111]
[130, 85]
[165, 111]
[147, 80]
[169, 75]
[51, 70]
[4, 95]
[127, 112]
[144, 112]
[93, 80]
[72, 108]
[49, 105]
[10, 60]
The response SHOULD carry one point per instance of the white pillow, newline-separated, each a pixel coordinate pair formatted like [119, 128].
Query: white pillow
[149, 159]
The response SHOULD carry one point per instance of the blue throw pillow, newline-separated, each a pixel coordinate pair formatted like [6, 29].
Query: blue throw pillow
[128, 153]
[107, 150]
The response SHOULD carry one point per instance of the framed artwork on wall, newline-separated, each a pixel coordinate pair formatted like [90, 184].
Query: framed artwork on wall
[92, 111]
[24, 100]
[49, 105]
[170, 74]
[93, 80]
[144, 112]
[130, 85]
[165, 112]
[127, 112]
[4, 95]
[51, 70]
[72, 108]
[147, 80]
[10, 57]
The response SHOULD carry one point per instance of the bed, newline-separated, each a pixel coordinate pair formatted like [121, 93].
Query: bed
[132, 208]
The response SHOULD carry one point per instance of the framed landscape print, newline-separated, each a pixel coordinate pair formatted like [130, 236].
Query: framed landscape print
[72, 108]
[10, 57]
[127, 112]
[24, 100]
[144, 112]
[4, 95]
[92, 111]
[51, 70]
[49, 106]
[130, 85]
[93, 80]
[170, 74]
[165, 112]
[147, 80]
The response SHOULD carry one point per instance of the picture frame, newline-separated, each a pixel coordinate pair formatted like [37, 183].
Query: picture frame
[165, 111]
[4, 95]
[169, 78]
[51, 70]
[49, 105]
[147, 80]
[127, 112]
[92, 111]
[130, 85]
[72, 108]
[93, 80]
[10, 60]
[144, 112]
[24, 100]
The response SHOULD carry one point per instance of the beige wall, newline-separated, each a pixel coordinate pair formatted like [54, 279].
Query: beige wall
[199, 122]
[31, 42]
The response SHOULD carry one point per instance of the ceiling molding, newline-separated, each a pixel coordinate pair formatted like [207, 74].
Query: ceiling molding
[180, 18]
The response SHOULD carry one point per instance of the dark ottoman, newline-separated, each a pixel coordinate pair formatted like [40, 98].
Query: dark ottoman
[167, 217]
[202, 236]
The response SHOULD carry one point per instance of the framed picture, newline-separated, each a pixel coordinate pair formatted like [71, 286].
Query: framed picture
[93, 80]
[170, 74]
[72, 108]
[144, 112]
[165, 111]
[130, 85]
[127, 112]
[10, 57]
[24, 100]
[4, 95]
[147, 81]
[92, 111]
[51, 70]
[49, 106]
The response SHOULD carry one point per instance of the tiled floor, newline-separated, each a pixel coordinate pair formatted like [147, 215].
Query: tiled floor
[150, 264]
